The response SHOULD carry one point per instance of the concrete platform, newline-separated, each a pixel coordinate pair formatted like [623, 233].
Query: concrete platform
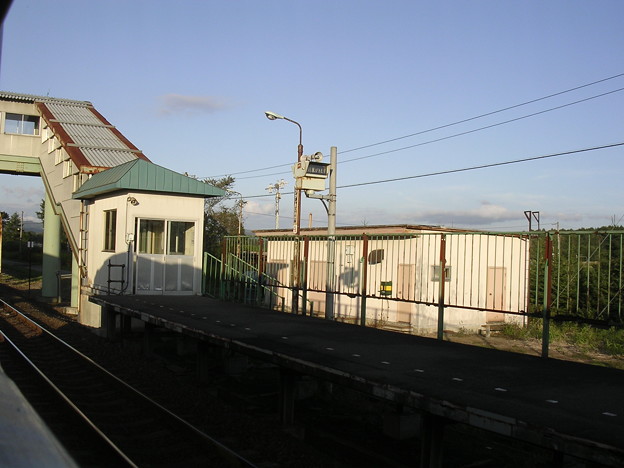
[569, 407]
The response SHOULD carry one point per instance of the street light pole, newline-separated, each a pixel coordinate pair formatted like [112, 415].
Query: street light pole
[297, 212]
[297, 208]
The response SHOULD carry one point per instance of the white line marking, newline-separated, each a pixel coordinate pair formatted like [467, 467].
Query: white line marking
[612, 415]
[457, 379]
[355, 355]
[284, 337]
[554, 402]
[329, 349]
[419, 370]
[385, 362]
[499, 389]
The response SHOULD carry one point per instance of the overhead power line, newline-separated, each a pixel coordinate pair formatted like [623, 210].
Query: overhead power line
[484, 166]
[455, 135]
[469, 119]
[467, 132]
[487, 114]
[470, 168]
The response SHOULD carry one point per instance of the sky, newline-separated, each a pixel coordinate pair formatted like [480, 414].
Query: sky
[410, 92]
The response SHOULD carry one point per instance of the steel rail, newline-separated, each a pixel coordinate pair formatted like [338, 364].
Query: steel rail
[233, 458]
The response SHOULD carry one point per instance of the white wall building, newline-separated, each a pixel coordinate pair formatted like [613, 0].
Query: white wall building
[398, 269]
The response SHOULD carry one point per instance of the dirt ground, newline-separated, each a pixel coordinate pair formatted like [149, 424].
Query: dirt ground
[533, 347]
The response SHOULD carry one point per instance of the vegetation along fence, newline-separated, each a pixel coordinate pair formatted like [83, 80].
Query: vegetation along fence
[428, 281]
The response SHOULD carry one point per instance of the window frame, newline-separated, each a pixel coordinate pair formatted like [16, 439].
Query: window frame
[20, 124]
[110, 231]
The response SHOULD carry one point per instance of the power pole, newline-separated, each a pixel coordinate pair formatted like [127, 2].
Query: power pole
[276, 188]
[331, 235]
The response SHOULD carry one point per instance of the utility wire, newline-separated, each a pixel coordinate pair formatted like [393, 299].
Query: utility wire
[484, 166]
[483, 115]
[467, 132]
[482, 128]
[450, 125]
[470, 168]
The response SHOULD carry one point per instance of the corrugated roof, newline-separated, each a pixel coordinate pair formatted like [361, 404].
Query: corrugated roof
[31, 98]
[88, 138]
[140, 175]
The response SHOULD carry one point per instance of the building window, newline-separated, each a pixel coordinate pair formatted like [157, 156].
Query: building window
[151, 236]
[435, 273]
[21, 124]
[181, 238]
[67, 168]
[375, 256]
[110, 230]
[58, 156]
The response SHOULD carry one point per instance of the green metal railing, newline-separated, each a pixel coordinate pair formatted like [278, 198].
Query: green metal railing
[239, 281]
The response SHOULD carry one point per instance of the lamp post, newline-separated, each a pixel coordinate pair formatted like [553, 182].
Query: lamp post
[297, 212]
[297, 205]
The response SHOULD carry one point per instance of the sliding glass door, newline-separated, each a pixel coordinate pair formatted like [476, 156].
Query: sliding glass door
[164, 256]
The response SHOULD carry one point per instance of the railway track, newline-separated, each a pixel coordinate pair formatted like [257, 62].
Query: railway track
[99, 419]
[335, 427]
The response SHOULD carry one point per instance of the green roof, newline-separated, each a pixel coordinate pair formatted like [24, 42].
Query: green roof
[141, 175]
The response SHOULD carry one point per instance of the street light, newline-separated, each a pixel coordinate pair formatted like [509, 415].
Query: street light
[297, 208]
[297, 211]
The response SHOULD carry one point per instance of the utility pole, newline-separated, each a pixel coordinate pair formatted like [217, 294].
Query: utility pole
[331, 235]
[21, 232]
[276, 188]
[331, 228]
[530, 215]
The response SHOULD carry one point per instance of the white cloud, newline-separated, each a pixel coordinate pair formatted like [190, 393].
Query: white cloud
[171, 104]
[486, 214]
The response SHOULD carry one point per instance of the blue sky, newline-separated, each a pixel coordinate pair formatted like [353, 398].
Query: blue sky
[188, 83]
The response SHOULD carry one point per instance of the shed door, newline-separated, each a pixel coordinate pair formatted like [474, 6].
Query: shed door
[405, 291]
[495, 294]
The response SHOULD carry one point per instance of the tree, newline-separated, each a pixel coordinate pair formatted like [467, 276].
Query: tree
[219, 221]
[41, 213]
[12, 226]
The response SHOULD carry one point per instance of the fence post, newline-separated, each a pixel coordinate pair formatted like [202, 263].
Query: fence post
[204, 275]
[222, 283]
[442, 277]
[260, 286]
[547, 295]
[364, 279]
[304, 275]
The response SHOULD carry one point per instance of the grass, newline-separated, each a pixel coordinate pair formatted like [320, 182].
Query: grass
[585, 337]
